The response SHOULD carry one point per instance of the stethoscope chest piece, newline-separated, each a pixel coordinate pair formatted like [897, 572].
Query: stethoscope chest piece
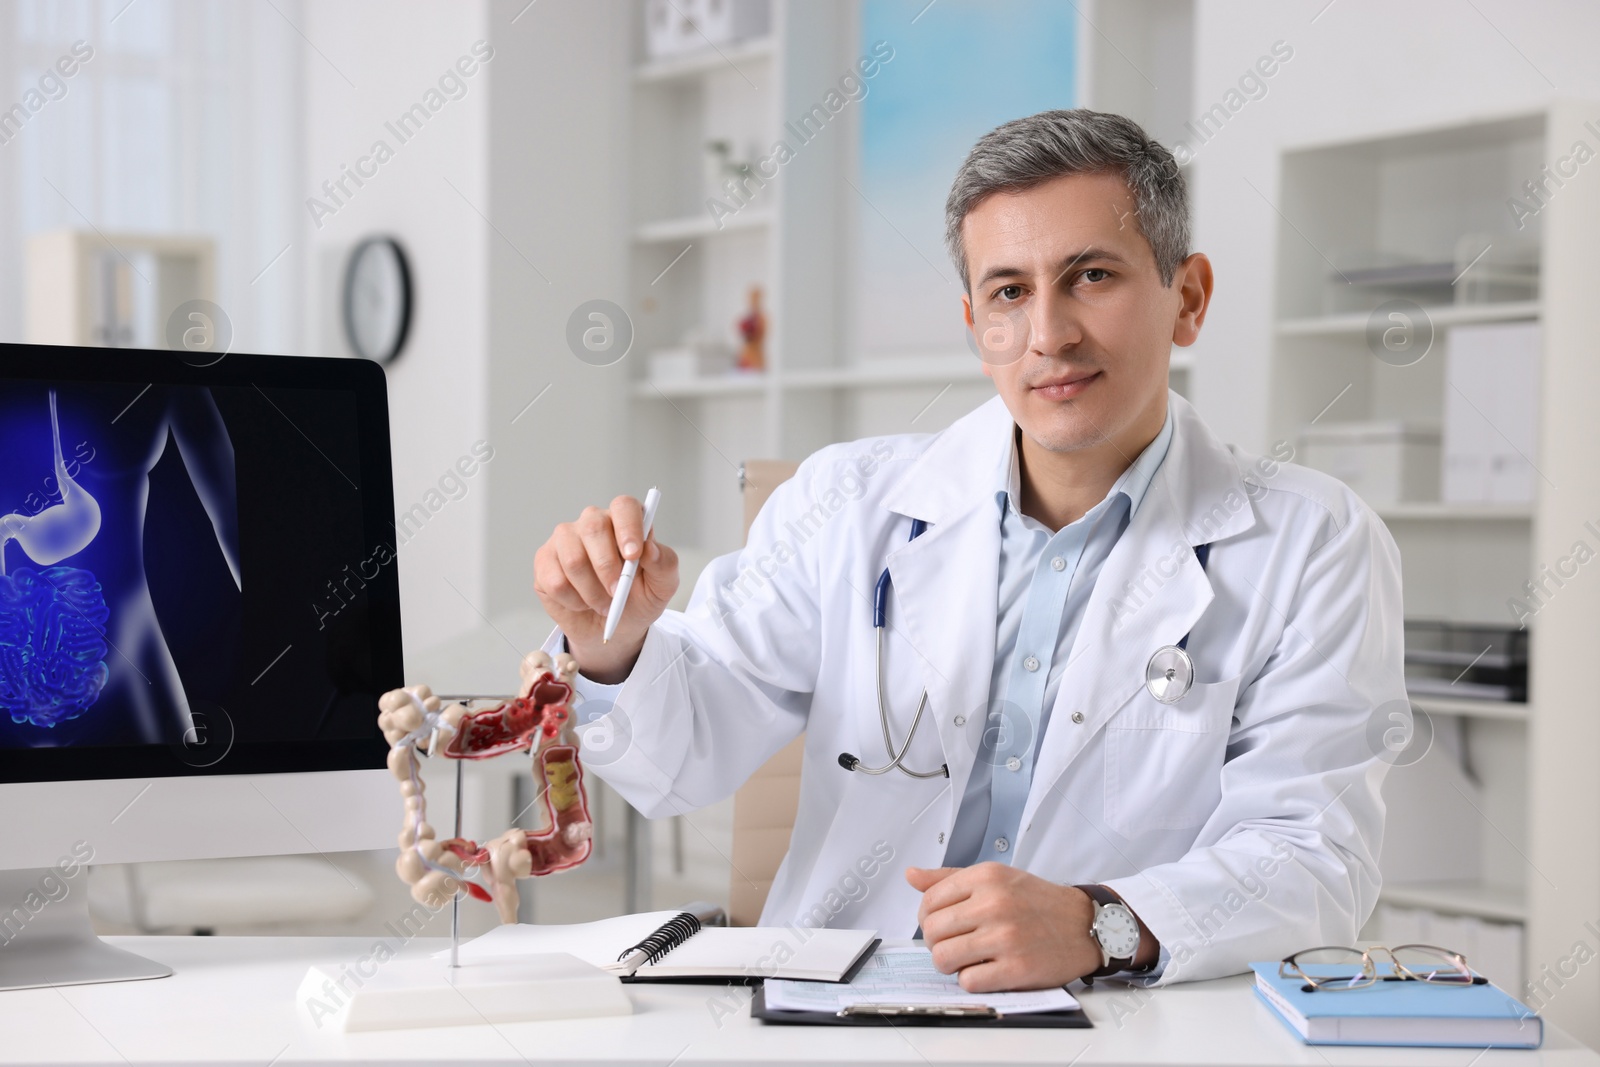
[1170, 674]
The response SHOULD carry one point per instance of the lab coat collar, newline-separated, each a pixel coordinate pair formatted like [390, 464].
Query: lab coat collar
[960, 467]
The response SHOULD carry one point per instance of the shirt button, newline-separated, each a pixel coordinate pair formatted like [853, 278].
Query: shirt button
[1031, 663]
[1001, 844]
[1057, 563]
[961, 720]
[1077, 717]
[1013, 764]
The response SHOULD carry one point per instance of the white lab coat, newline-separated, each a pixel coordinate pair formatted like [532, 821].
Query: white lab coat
[1240, 824]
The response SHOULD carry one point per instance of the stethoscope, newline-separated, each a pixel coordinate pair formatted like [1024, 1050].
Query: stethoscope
[1168, 676]
[1170, 673]
[880, 614]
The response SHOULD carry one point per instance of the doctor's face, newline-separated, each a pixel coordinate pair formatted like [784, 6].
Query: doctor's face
[1070, 315]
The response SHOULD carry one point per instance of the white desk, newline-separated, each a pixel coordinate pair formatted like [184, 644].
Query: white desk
[232, 1002]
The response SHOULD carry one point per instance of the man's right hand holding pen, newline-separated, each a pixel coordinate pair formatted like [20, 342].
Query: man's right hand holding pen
[576, 572]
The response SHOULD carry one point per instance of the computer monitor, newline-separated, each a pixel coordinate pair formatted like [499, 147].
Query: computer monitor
[199, 607]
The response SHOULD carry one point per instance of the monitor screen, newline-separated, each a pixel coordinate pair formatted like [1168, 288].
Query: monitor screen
[197, 564]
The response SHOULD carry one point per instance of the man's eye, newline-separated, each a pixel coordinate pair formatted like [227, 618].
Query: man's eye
[1095, 274]
[1009, 292]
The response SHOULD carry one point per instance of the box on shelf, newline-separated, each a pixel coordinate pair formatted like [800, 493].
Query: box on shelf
[1485, 269]
[1384, 462]
[689, 363]
[676, 27]
[1447, 659]
[1491, 405]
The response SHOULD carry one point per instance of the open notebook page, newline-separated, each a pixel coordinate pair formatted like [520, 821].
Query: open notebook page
[720, 951]
[758, 951]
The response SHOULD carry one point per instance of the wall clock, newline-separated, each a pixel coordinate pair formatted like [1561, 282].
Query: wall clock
[377, 299]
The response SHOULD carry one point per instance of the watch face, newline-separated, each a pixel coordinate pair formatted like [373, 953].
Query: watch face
[377, 305]
[1117, 931]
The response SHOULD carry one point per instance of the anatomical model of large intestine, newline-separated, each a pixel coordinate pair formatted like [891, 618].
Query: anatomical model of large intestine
[538, 721]
[52, 640]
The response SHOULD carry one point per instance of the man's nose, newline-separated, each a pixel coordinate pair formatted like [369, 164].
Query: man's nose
[1053, 325]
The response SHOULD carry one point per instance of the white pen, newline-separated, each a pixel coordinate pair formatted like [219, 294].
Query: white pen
[619, 599]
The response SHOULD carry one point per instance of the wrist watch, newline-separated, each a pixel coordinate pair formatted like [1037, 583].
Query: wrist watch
[1115, 929]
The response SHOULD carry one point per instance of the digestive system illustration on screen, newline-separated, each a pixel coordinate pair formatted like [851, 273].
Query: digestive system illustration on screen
[78, 624]
[52, 620]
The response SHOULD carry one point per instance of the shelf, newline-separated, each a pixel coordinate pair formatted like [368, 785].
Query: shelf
[1355, 323]
[699, 63]
[722, 385]
[1476, 709]
[901, 370]
[884, 373]
[1433, 512]
[691, 226]
[1460, 898]
[933, 369]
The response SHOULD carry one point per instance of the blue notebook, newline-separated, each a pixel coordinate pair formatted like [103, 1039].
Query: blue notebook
[1400, 1013]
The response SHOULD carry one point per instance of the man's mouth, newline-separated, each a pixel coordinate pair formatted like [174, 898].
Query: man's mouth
[1064, 386]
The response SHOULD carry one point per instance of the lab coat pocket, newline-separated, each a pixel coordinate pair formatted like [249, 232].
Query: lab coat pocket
[1164, 762]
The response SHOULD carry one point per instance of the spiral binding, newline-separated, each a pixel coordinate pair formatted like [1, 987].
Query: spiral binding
[672, 934]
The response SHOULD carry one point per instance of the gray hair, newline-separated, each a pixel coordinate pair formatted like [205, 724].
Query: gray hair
[1027, 152]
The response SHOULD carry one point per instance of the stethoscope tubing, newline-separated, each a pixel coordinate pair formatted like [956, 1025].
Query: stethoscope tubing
[880, 615]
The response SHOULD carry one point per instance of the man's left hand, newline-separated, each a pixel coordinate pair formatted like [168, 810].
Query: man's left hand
[999, 928]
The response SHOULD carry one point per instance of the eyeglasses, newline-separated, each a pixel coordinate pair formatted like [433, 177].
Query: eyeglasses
[1333, 968]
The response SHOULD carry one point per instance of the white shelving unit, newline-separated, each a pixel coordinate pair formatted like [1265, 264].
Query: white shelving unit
[698, 64]
[1355, 324]
[691, 270]
[1523, 776]
[1510, 711]
[690, 227]
[112, 290]
[1430, 512]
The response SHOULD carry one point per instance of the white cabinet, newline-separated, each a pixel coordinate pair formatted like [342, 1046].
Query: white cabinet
[1504, 364]
[118, 290]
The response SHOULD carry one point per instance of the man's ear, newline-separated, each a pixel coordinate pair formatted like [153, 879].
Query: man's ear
[1193, 281]
[972, 333]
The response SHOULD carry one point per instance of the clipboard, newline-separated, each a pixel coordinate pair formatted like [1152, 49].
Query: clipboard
[1072, 1019]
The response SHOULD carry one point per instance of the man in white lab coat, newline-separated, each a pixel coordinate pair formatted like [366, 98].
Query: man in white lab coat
[1059, 820]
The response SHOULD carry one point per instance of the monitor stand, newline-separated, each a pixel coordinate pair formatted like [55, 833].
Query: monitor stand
[46, 942]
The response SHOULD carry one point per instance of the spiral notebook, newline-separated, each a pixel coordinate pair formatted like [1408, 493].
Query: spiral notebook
[664, 946]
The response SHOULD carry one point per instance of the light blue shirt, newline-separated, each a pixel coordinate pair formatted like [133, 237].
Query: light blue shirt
[1045, 583]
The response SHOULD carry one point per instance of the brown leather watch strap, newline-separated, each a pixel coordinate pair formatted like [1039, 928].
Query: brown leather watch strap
[1100, 894]
[1103, 896]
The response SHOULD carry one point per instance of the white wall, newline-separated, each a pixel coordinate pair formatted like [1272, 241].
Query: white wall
[370, 61]
[1364, 66]
[558, 191]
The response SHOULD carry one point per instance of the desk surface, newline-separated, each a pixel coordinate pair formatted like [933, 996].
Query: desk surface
[232, 1001]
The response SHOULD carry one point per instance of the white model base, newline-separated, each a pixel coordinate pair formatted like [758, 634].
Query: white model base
[404, 994]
